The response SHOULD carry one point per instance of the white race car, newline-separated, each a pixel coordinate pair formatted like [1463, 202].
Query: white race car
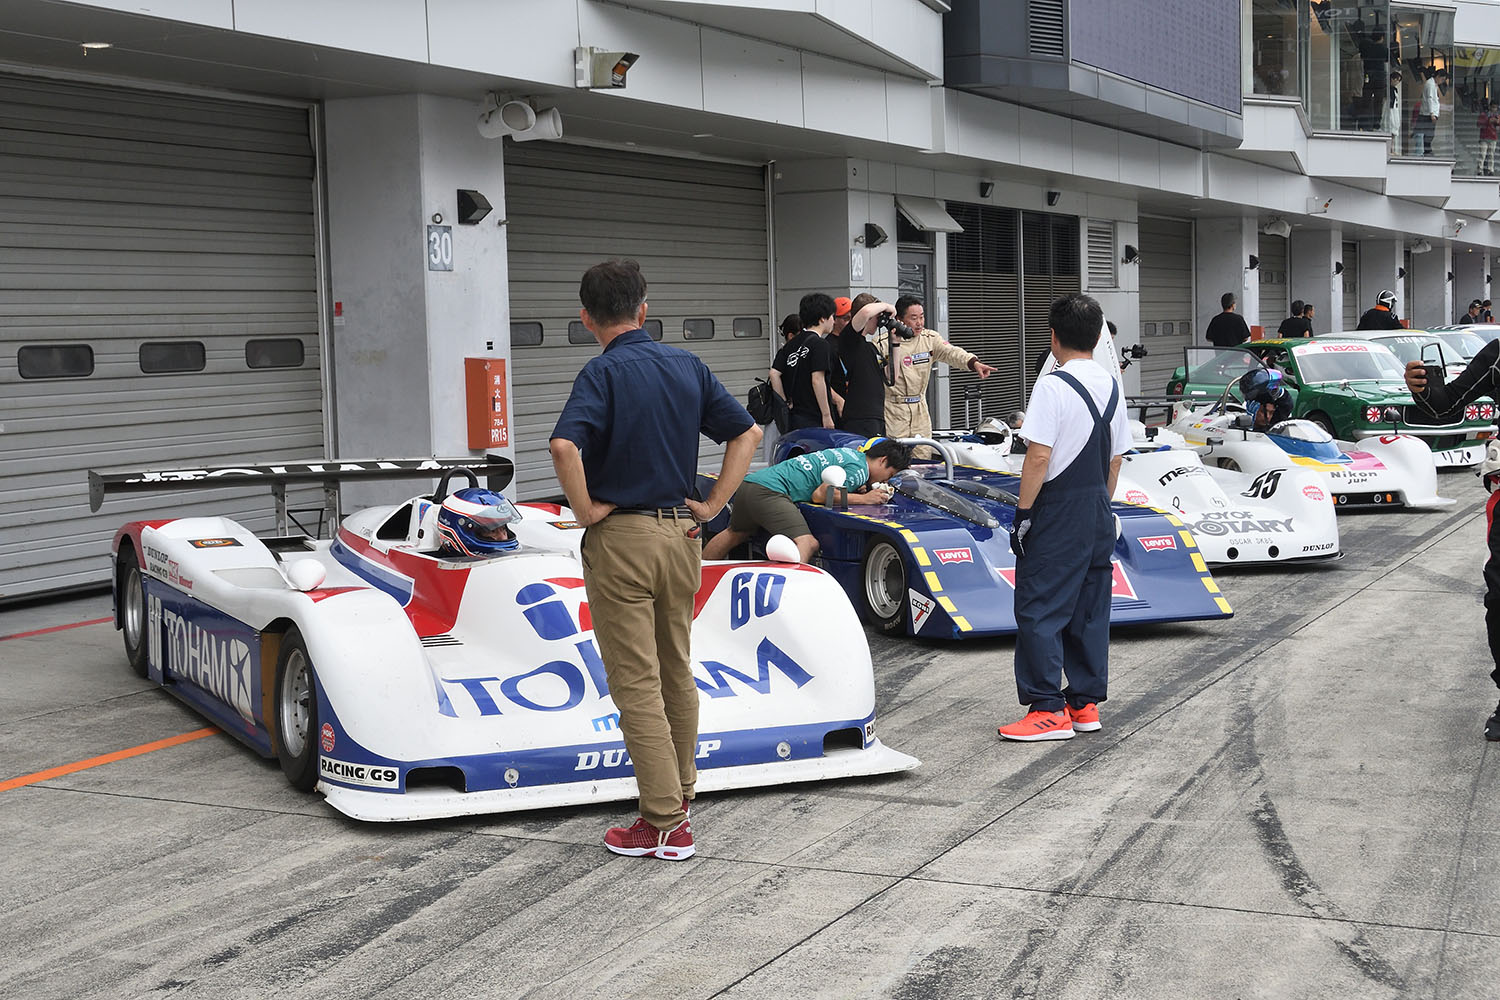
[408, 684]
[1395, 470]
[1280, 514]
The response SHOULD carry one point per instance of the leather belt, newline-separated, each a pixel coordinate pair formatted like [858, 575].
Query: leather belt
[660, 513]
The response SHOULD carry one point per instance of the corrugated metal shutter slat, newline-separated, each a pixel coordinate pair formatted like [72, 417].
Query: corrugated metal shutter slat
[699, 231]
[132, 216]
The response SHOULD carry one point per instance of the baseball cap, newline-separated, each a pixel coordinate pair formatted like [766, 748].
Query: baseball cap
[841, 306]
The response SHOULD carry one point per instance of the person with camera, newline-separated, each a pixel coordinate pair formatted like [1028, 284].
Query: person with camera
[1063, 534]
[1439, 401]
[908, 352]
[864, 398]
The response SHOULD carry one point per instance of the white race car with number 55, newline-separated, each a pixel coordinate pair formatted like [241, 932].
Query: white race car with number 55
[407, 683]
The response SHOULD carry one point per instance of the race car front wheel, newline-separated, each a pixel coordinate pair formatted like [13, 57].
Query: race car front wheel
[885, 586]
[132, 609]
[1321, 419]
[296, 713]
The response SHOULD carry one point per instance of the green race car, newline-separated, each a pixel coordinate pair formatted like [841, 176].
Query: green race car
[1353, 389]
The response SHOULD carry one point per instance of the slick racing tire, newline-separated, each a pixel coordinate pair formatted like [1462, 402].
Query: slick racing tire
[1230, 464]
[132, 609]
[1321, 419]
[296, 713]
[883, 579]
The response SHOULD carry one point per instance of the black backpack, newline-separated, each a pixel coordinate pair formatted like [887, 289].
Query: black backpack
[766, 407]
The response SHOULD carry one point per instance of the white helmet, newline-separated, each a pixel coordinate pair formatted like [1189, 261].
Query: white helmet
[1489, 469]
[1386, 298]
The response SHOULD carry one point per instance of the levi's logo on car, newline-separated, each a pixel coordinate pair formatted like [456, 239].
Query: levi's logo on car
[213, 543]
[1153, 543]
[953, 555]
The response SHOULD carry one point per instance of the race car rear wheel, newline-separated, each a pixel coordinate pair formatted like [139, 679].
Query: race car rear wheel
[296, 713]
[1230, 464]
[133, 609]
[884, 574]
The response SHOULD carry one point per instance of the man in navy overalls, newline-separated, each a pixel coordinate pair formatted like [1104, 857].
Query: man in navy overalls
[1064, 531]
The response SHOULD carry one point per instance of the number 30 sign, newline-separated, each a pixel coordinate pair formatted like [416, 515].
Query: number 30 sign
[439, 248]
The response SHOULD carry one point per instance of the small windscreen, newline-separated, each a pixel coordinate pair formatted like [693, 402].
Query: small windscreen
[940, 495]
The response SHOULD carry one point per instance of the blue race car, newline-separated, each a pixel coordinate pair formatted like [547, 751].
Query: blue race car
[936, 561]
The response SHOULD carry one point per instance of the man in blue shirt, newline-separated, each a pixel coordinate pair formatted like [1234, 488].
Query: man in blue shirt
[626, 453]
[768, 499]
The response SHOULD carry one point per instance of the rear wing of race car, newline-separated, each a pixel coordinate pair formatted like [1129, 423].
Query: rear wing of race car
[496, 470]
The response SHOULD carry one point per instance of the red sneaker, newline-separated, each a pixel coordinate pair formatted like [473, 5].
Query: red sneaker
[1039, 726]
[1085, 719]
[644, 840]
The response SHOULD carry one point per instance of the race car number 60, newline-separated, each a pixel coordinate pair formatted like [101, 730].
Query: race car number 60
[767, 596]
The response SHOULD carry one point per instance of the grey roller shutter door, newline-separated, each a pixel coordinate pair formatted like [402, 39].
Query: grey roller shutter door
[1166, 283]
[1350, 279]
[698, 230]
[132, 218]
[1275, 292]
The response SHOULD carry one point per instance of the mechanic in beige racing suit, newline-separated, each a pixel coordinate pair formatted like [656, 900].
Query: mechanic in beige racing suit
[906, 412]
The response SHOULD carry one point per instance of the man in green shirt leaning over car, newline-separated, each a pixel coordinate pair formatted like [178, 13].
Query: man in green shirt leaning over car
[767, 499]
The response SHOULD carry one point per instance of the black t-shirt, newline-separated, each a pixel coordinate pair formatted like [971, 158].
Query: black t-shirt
[1227, 329]
[1294, 326]
[803, 354]
[864, 395]
[1376, 318]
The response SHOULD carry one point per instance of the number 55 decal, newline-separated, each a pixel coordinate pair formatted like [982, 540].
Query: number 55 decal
[1264, 486]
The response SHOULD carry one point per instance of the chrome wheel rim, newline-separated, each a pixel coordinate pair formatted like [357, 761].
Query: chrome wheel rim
[133, 609]
[885, 581]
[296, 702]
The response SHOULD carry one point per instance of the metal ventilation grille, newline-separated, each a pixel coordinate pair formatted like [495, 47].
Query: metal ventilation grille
[441, 640]
[1101, 251]
[1044, 27]
[1050, 265]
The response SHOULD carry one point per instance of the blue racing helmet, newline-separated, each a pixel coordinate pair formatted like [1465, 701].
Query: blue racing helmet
[1262, 387]
[476, 521]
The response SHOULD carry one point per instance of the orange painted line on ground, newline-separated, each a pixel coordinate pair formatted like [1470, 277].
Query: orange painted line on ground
[55, 628]
[109, 758]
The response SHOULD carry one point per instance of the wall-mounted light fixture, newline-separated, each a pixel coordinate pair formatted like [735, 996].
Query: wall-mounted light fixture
[986, 188]
[518, 119]
[1421, 246]
[1254, 262]
[1132, 255]
[1052, 198]
[1450, 275]
[1338, 267]
[601, 69]
[472, 207]
[1277, 227]
[1400, 273]
[873, 236]
[1488, 279]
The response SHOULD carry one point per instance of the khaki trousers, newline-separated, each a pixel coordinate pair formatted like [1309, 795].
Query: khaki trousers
[641, 573]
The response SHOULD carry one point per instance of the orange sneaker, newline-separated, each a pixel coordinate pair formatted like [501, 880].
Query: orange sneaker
[1039, 726]
[1085, 718]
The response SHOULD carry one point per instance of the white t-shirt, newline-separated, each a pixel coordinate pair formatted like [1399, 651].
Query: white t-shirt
[1056, 416]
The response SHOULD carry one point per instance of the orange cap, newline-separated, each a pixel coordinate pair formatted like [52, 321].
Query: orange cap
[841, 306]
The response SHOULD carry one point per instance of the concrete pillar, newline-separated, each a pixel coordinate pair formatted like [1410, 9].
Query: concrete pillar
[1312, 255]
[820, 207]
[1468, 277]
[1378, 264]
[393, 164]
[1223, 248]
[1431, 289]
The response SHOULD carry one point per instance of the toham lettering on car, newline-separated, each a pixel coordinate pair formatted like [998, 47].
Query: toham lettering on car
[575, 676]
